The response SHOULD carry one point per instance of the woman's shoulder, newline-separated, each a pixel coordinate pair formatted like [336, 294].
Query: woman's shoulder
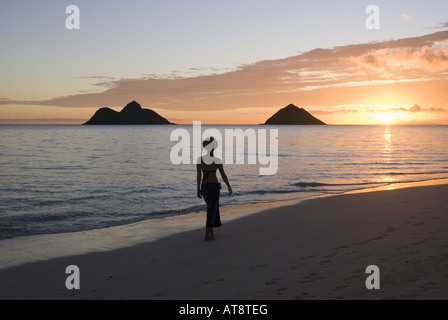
[209, 161]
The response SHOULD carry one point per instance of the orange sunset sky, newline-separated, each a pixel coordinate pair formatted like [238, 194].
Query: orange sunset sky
[233, 63]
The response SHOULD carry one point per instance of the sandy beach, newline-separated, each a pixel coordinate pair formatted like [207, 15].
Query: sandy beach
[316, 249]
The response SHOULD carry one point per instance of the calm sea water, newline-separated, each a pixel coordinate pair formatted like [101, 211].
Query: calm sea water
[69, 178]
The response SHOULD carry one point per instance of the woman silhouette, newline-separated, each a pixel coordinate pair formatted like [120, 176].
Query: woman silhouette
[209, 187]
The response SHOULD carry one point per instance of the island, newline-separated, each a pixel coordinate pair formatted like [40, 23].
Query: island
[292, 115]
[132, 114]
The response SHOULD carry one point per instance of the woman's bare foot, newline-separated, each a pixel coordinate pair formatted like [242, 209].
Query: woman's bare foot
[209, 234]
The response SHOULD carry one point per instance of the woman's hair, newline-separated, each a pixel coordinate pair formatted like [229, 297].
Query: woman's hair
[206, 142]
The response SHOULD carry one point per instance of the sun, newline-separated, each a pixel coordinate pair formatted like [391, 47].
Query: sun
[387, 117]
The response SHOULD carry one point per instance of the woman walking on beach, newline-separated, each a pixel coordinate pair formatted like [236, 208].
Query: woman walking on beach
[209, 187]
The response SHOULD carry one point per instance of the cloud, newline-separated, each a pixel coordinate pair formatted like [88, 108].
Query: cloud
[6, 101]
[394, 61]
[405, 17]
[337, 111]
[441, 25]
[41, 120]
[414, 109]
[94, 77]
[352, 74]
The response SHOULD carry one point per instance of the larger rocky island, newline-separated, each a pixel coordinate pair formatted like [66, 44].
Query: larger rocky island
[132, 114]
[292, 115]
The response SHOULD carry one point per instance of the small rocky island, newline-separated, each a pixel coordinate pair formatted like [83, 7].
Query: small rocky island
[292, 115]
[132, 114]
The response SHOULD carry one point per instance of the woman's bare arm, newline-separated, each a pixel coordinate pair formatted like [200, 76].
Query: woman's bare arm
[199, 177]
[224, 177]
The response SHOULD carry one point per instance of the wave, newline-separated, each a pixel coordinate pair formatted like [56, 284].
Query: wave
[415, 173]
[57, 202]
[12, 226]
[266, 192]
[309, 187]
[321, 184]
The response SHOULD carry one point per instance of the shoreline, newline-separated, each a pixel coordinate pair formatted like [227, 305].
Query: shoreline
[315, 249]
[28, 249]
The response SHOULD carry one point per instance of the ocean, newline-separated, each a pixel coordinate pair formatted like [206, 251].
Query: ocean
[57, 179]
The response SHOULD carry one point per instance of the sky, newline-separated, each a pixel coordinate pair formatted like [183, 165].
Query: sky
[225, 62]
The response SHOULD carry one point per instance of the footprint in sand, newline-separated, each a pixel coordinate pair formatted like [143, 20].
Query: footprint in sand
[272, 281]
[258, 267]
[312, 277]
[215, 281]
[159, 295]
[339, 288]
[281, 290]
[429, 286]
